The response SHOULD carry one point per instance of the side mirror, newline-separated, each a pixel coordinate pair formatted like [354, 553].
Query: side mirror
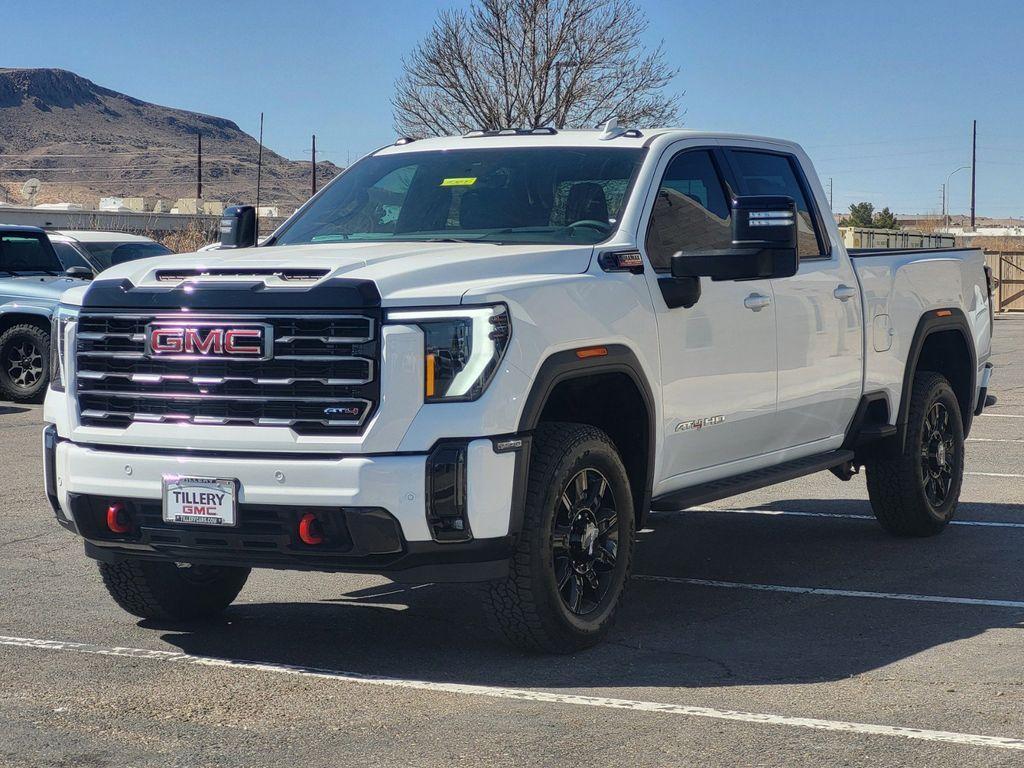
[79, 273]
[238, 227]
[764, 244]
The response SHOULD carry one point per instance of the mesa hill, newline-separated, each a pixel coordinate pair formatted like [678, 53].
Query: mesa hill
[84, 142]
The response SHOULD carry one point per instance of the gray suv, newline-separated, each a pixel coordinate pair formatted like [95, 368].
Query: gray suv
[32, 280]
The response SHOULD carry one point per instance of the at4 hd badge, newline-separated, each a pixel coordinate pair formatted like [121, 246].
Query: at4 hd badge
[708, 421]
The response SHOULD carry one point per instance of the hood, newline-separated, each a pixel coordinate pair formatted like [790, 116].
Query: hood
[405, 273]
[46, 287]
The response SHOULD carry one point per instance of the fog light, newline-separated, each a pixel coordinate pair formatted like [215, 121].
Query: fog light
[117, 519]
[446, 493]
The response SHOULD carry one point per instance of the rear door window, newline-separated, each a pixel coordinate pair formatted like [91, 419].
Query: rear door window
[770, 173]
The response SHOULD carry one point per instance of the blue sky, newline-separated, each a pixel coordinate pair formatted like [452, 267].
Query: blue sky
[882, 94]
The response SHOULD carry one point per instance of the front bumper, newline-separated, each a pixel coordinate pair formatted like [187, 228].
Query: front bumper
[374, 507]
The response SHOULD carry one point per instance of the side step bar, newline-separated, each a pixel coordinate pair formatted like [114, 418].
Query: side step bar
[751, 481]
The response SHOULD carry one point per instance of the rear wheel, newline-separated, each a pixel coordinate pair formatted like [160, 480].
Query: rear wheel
[24, 363]
[172, 591]
[572, 563]
[916, 493]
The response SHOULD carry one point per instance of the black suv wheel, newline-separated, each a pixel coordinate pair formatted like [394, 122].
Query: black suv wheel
[24, 363]
[574, 555]
[916, 492]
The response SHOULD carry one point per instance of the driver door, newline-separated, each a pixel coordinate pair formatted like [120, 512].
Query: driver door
[719, 364]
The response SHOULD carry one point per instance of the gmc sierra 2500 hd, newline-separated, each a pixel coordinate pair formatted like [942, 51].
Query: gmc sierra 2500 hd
[485, 358]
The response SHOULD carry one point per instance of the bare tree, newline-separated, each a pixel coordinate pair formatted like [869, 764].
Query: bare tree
[533, 63]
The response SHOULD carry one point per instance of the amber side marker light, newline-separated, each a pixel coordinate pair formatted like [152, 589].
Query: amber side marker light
[430, 375]
[944, 313]
[586, 352]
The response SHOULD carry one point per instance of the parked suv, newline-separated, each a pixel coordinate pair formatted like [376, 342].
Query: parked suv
[32, 279]
[84, 249]
[485, 358]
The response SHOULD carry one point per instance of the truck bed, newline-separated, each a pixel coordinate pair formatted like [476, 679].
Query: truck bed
[900, 287]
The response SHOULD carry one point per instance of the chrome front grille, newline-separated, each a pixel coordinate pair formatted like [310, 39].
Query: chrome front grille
[321, 378]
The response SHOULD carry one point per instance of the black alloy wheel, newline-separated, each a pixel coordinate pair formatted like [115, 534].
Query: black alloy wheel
[585, 542]
[937, 455]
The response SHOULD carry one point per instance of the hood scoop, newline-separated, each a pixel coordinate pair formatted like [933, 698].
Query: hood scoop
[239, 273]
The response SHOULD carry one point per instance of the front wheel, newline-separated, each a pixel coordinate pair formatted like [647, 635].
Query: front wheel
[916, 492]
[570, 569]
[24, 363]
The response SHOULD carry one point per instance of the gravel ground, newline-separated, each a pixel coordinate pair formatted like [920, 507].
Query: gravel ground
[935, 644]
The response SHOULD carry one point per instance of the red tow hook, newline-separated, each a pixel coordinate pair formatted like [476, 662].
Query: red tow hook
[310, 530]
[117, 518]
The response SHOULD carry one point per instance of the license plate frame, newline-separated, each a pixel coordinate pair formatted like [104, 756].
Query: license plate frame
[176, 510]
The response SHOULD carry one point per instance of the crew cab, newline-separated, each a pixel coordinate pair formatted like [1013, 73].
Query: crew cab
[486, 358]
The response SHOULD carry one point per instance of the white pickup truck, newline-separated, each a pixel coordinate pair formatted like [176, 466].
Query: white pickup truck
[486, 358]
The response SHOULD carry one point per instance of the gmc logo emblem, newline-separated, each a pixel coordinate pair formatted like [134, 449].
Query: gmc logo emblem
[209, 341]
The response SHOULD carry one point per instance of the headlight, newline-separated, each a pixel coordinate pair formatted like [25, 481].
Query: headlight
[462, 349]
[62, 318]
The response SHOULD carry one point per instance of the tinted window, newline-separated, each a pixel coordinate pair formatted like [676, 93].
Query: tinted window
[690, 212]
[69, 255]
[766, 174]
[28, 254]
[109, 254]
[519, 195]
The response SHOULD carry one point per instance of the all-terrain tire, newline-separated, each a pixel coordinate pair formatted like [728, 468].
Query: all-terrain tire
[530, 607]
[172, 592]
[24, 363]
[909, 493]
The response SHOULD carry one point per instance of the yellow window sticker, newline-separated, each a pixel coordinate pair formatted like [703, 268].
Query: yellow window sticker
[459, 181]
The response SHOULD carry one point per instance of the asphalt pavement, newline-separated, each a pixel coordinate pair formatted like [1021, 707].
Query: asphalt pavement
[780, 628]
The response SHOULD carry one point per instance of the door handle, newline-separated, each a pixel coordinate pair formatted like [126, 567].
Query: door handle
[844, 292]
[756, 302]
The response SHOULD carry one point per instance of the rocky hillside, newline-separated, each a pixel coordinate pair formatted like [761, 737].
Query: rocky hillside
[84, 142]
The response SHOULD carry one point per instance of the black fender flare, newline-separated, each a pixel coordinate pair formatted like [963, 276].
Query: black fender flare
[935, 321]
[563, 366]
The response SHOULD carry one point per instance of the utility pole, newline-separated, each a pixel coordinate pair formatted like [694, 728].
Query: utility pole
[259, 171]
[974, 172]
[944, 222]
[831, 205]
[314, 164]
[199, 167]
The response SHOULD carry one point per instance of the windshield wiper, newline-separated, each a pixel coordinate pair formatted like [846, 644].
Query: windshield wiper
[444, 240]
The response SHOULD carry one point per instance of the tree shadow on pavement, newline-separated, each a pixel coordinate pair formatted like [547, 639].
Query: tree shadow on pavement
[671, 634]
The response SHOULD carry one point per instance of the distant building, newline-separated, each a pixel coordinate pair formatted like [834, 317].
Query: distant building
[123, 204]
[60, 207]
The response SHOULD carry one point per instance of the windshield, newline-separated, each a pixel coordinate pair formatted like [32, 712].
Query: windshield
[109, 254]
[557, 195]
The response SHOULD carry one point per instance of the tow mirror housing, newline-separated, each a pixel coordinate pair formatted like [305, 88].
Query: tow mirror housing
[238, 227]
[764, 244]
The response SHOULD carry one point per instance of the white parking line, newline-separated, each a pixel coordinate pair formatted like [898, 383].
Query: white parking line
[838, 516]
[1003, 415]
[523, 694]
[992, 440]
[826, 592]
[992, 474]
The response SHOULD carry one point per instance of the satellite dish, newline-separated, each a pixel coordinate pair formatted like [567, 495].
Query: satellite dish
[30, 189]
